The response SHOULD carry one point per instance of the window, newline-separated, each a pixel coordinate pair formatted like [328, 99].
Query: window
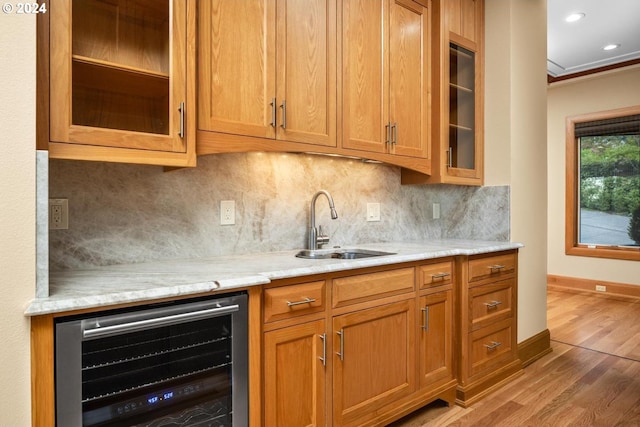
[603, 184]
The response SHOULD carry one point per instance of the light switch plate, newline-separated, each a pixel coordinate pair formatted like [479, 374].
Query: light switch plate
[436, 210]
[373, 211]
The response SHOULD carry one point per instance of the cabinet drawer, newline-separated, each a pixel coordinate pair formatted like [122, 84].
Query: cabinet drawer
[491, 347]
[492, 267]
[491, 302]
[436, 274]
[294, 300]
[365, 287]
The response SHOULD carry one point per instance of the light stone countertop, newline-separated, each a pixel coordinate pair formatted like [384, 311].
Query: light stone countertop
[118, 284]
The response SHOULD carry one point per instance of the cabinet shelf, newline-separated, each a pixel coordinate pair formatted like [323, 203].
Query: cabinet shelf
[462, 88]
[112, 96]
[460, 127]
[119, 67]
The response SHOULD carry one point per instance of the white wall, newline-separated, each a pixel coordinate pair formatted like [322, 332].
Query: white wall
[515, 135]
[599, 92]
[17, 218]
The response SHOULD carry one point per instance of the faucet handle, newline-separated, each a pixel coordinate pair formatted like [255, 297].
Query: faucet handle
[321, 239]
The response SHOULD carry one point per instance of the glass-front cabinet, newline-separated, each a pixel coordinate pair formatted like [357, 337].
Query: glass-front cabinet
[458, 96]
[118, 80]
[462, 148]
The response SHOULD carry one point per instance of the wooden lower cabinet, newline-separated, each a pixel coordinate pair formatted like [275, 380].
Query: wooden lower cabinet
[373, 361]
[488, 324]
[294, 386]
[382, 347]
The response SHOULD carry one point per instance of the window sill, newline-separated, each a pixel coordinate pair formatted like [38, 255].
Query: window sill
[616, 252]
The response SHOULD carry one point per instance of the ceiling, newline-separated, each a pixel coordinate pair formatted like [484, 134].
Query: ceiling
[576, 47]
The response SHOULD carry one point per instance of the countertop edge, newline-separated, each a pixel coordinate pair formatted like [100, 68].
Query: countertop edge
[57, 304]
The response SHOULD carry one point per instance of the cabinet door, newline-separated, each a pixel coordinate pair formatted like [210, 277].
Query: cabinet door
[294, 375]
[365, 76]
[118, 75]
[306, 71]
[374, 360]
[436, 338]
[409, 76]
[236, 67]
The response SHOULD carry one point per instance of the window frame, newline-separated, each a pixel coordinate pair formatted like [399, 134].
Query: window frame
[572, 180]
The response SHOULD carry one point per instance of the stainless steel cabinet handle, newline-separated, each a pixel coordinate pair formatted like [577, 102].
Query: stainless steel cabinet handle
[394, 133]
[496, 267]
[306, 300]
[323, 337]
[440, 275]
[181, 109]
[493, 345]
[284, 115]
[450, 158]
[387, 131]
[341, 352]
[107, 331]
[425, 310]
[273, 112]
[492, 304]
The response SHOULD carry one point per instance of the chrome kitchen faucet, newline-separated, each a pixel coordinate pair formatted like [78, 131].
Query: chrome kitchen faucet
[316, 238]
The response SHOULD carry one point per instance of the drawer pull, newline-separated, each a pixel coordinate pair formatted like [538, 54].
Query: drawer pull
[493, 345]
[304, 301]
[496, 267]
[492, 304]
[440, 276]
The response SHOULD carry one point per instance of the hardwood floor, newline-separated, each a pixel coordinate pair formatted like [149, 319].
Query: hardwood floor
[592, 377]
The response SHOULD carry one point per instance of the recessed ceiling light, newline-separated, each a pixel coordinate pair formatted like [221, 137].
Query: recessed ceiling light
[574, 17]
[611, 46]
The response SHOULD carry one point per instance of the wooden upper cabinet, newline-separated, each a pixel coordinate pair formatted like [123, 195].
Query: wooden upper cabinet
[118, 81]
[458, 95]
[385, 86]
[267, 69]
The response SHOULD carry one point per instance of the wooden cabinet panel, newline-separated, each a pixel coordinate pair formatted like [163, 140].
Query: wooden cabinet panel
[365, 287]
[295, 378]
[385, 86]
[236, 66]
[306, 71]
[374, 361]
[365, 74]
[490, 348]
[493, 268]
[436, 338]
[463, 17]
[436, 274]
[267, 69]
[294, 300]
[409, 76]
[491, 302]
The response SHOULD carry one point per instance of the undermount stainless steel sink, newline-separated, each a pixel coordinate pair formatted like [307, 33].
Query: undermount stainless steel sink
[340, 253]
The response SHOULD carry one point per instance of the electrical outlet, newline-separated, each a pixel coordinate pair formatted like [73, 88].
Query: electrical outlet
[227, 212]
[601, 288]
[58, 214]
[373, 211]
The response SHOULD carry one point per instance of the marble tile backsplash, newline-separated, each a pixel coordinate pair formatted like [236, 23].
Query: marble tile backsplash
[130, 213]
